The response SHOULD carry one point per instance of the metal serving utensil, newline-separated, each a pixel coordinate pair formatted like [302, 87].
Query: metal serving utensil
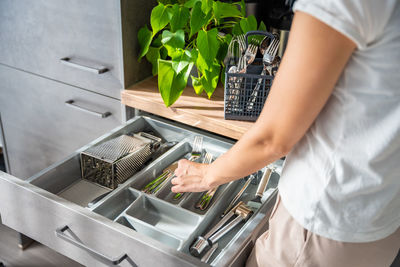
[239, 213]
[238, 195]
[207, 256]
[255, 203]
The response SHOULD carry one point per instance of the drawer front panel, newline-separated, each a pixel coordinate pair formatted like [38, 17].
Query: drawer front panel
[40, 128]
[76, 42]
[38, 214]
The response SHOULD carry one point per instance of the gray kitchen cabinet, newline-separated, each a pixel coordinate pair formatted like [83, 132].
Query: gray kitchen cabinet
[91, 44]
[128, 227]
[58, 59]
[39, 125]
[64, 63]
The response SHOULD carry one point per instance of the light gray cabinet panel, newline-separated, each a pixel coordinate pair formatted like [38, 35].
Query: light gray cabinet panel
[40, 128]
[77, 42]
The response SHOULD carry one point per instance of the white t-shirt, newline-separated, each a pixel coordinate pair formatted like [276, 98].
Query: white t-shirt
[342, 180]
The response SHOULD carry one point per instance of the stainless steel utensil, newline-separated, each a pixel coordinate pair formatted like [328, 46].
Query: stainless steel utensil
[268, 58]
[264, 45]
[242, 213]
[236, 49]
[255, 203]
[114, 161]
[234, 83]
[197, 148]
[207, 256]
[249, 57]
[164, 147]
[207, 197]
[270, 53]
[242, 43]
[156, 184]
[238, 195]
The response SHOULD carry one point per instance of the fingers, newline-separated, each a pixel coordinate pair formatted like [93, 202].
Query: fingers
[185, 183]
[178, 185]
[182, 168]
[180, 176]
[178, 189]
[188, 177]
[187, 188]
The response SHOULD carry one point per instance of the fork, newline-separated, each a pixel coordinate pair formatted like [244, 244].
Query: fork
[270, 52]
[248, 57]
[236, 49]
[168, 173]
[207, 197]
[244, 61]
[197, 148]
[268, 59]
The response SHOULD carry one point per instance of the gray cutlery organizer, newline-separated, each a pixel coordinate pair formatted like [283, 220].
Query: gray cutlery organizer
[175, 224]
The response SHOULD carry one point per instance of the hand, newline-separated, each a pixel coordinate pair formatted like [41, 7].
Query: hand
[190, 177]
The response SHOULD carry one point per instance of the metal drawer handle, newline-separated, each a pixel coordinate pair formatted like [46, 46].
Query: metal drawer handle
[99, 114]
[69, 62]
[103, 258]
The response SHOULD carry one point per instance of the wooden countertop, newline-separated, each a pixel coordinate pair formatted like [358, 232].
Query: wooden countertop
[200, 112]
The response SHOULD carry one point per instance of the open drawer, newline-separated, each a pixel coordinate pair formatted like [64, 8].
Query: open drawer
[128, 227]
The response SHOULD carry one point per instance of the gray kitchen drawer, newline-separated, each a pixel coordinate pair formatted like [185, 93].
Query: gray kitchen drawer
[128, 227]
[88, 44]
[40, 128]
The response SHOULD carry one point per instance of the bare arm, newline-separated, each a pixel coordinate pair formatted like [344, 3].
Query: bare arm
[314, 59]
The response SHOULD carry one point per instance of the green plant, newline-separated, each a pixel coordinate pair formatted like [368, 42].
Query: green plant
[185, 33]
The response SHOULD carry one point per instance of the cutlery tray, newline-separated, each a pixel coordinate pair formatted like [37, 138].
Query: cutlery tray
[173, 222]
[126, 219]
[176, 223]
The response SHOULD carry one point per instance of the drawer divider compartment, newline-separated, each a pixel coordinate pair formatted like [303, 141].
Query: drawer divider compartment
[164, 216]
[116, 206]
[149, 174]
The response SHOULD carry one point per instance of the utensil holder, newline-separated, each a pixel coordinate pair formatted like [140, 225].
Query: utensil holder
[239, 88]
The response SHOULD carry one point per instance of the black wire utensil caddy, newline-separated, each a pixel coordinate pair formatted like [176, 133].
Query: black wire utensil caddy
[245, 93]
[239, 100]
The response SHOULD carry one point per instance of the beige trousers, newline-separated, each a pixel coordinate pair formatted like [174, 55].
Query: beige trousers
[287, 243]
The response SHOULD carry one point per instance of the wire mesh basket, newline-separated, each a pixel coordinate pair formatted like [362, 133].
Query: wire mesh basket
[245, 93]
[114, 161]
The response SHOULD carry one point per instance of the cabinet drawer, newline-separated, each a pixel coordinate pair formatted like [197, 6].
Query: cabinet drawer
[128, 227]
[76, 42]
[40, 128]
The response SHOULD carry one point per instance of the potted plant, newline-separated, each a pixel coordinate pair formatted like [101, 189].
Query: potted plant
[188, 33]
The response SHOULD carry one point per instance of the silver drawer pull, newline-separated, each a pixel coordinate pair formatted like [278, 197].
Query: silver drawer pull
[99, 114]
[101, 257]
[69, 62]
